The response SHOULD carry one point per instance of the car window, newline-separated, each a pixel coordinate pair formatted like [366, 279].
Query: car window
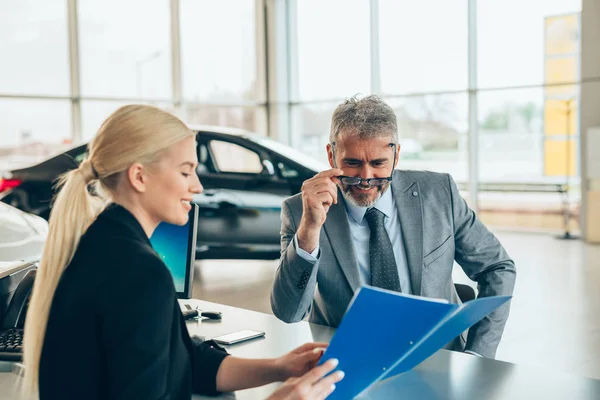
[290, 153]
[202, 159]
[287, 171]
[80, 157]
[230, 157]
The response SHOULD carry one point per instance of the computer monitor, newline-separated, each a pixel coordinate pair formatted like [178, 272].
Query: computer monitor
[176, 245]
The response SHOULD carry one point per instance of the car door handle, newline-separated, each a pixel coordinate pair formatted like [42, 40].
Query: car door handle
[210, 192]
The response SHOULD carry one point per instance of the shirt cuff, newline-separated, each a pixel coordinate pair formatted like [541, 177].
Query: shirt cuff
[310, 257]
[473, 353]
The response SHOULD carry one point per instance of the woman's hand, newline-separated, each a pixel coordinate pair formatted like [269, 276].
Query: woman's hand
[314, 385]
[299, 361]
[239, 373]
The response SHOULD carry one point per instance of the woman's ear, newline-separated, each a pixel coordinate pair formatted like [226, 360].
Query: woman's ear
[136, 175]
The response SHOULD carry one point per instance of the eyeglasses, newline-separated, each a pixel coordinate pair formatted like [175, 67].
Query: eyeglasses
[355, 180]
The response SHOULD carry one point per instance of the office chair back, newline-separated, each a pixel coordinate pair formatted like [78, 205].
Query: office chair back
[465, 292]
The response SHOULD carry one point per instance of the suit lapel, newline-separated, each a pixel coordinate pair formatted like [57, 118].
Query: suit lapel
[337, 228]
[408, 202]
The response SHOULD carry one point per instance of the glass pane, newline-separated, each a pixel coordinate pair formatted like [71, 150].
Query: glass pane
[311, 125]
[93, 114]
[218, 51]
[511, 37]
[420, 50]
[34, 47]
[250, 118]
[287, 171]
[33, 130]
[122, 59]
[231, 157]
[333, 49]
[511, 135]
[514, 134]
[432, 132]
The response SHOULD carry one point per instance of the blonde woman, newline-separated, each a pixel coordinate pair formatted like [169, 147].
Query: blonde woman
[104, 322]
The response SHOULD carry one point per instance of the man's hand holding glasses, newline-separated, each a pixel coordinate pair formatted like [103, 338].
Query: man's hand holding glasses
[318, 194]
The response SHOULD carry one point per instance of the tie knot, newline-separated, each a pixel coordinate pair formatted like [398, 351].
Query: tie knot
[374, 218]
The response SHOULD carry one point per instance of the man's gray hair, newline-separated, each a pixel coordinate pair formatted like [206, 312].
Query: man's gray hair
[365, 118]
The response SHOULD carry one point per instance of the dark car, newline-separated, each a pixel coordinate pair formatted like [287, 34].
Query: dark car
[245, 177]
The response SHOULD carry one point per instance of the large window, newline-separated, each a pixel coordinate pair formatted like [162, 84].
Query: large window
[511, 136]
[25, 139]
[432, 131]
[415, 55]
[248, 118]
[333, 54]
[510, 39]
[421, 50]
[311, 124]
[93, 114]
[206, 61]
[219, 60]
[67, 65]
[125, 48]
[34, 48]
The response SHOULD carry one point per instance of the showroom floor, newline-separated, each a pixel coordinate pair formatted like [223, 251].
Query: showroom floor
[555, 313]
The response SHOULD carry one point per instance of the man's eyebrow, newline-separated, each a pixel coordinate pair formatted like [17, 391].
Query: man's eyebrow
[356, 160]
[378, 160]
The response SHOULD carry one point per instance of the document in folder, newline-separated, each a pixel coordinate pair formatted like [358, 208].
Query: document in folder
[385, 333]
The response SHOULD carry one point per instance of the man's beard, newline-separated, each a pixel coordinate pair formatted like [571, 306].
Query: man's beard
[362, 199]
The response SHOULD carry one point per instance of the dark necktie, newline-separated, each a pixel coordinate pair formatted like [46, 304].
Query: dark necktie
[384, 271]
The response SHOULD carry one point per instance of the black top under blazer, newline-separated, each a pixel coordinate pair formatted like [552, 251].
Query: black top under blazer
[115, 329]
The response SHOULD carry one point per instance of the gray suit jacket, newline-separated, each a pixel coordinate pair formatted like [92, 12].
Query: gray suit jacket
[438, 227]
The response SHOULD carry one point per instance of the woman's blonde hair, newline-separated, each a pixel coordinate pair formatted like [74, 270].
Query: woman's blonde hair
[133, 133]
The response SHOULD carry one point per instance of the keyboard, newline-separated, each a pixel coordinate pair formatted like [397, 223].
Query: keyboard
[11, 344]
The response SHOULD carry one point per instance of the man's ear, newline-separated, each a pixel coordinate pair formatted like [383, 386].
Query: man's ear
[397, 155]
[136, 175]
[330, 155]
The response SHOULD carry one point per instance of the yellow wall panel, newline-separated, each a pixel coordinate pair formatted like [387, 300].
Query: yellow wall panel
[560, 70]
[555, 157]
[555, 117]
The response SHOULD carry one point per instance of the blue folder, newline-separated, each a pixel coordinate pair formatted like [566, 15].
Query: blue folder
[385, 333]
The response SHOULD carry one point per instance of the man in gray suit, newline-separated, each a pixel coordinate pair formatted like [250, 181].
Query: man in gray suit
[362, 223]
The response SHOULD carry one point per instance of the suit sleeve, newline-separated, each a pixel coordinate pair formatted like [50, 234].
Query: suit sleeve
[296, 277]
[485, 261]
[137, 331]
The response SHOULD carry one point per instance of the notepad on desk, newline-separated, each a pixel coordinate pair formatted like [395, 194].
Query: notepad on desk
[386, 333]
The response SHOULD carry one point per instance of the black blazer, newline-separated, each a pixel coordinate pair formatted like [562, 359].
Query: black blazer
[115, 329]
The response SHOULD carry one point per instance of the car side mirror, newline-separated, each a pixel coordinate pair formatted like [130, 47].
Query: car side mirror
[268, 168]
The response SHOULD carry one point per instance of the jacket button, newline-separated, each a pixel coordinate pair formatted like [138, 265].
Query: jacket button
[415, 193]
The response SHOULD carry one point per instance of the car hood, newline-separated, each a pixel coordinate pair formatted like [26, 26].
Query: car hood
[22, 235]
